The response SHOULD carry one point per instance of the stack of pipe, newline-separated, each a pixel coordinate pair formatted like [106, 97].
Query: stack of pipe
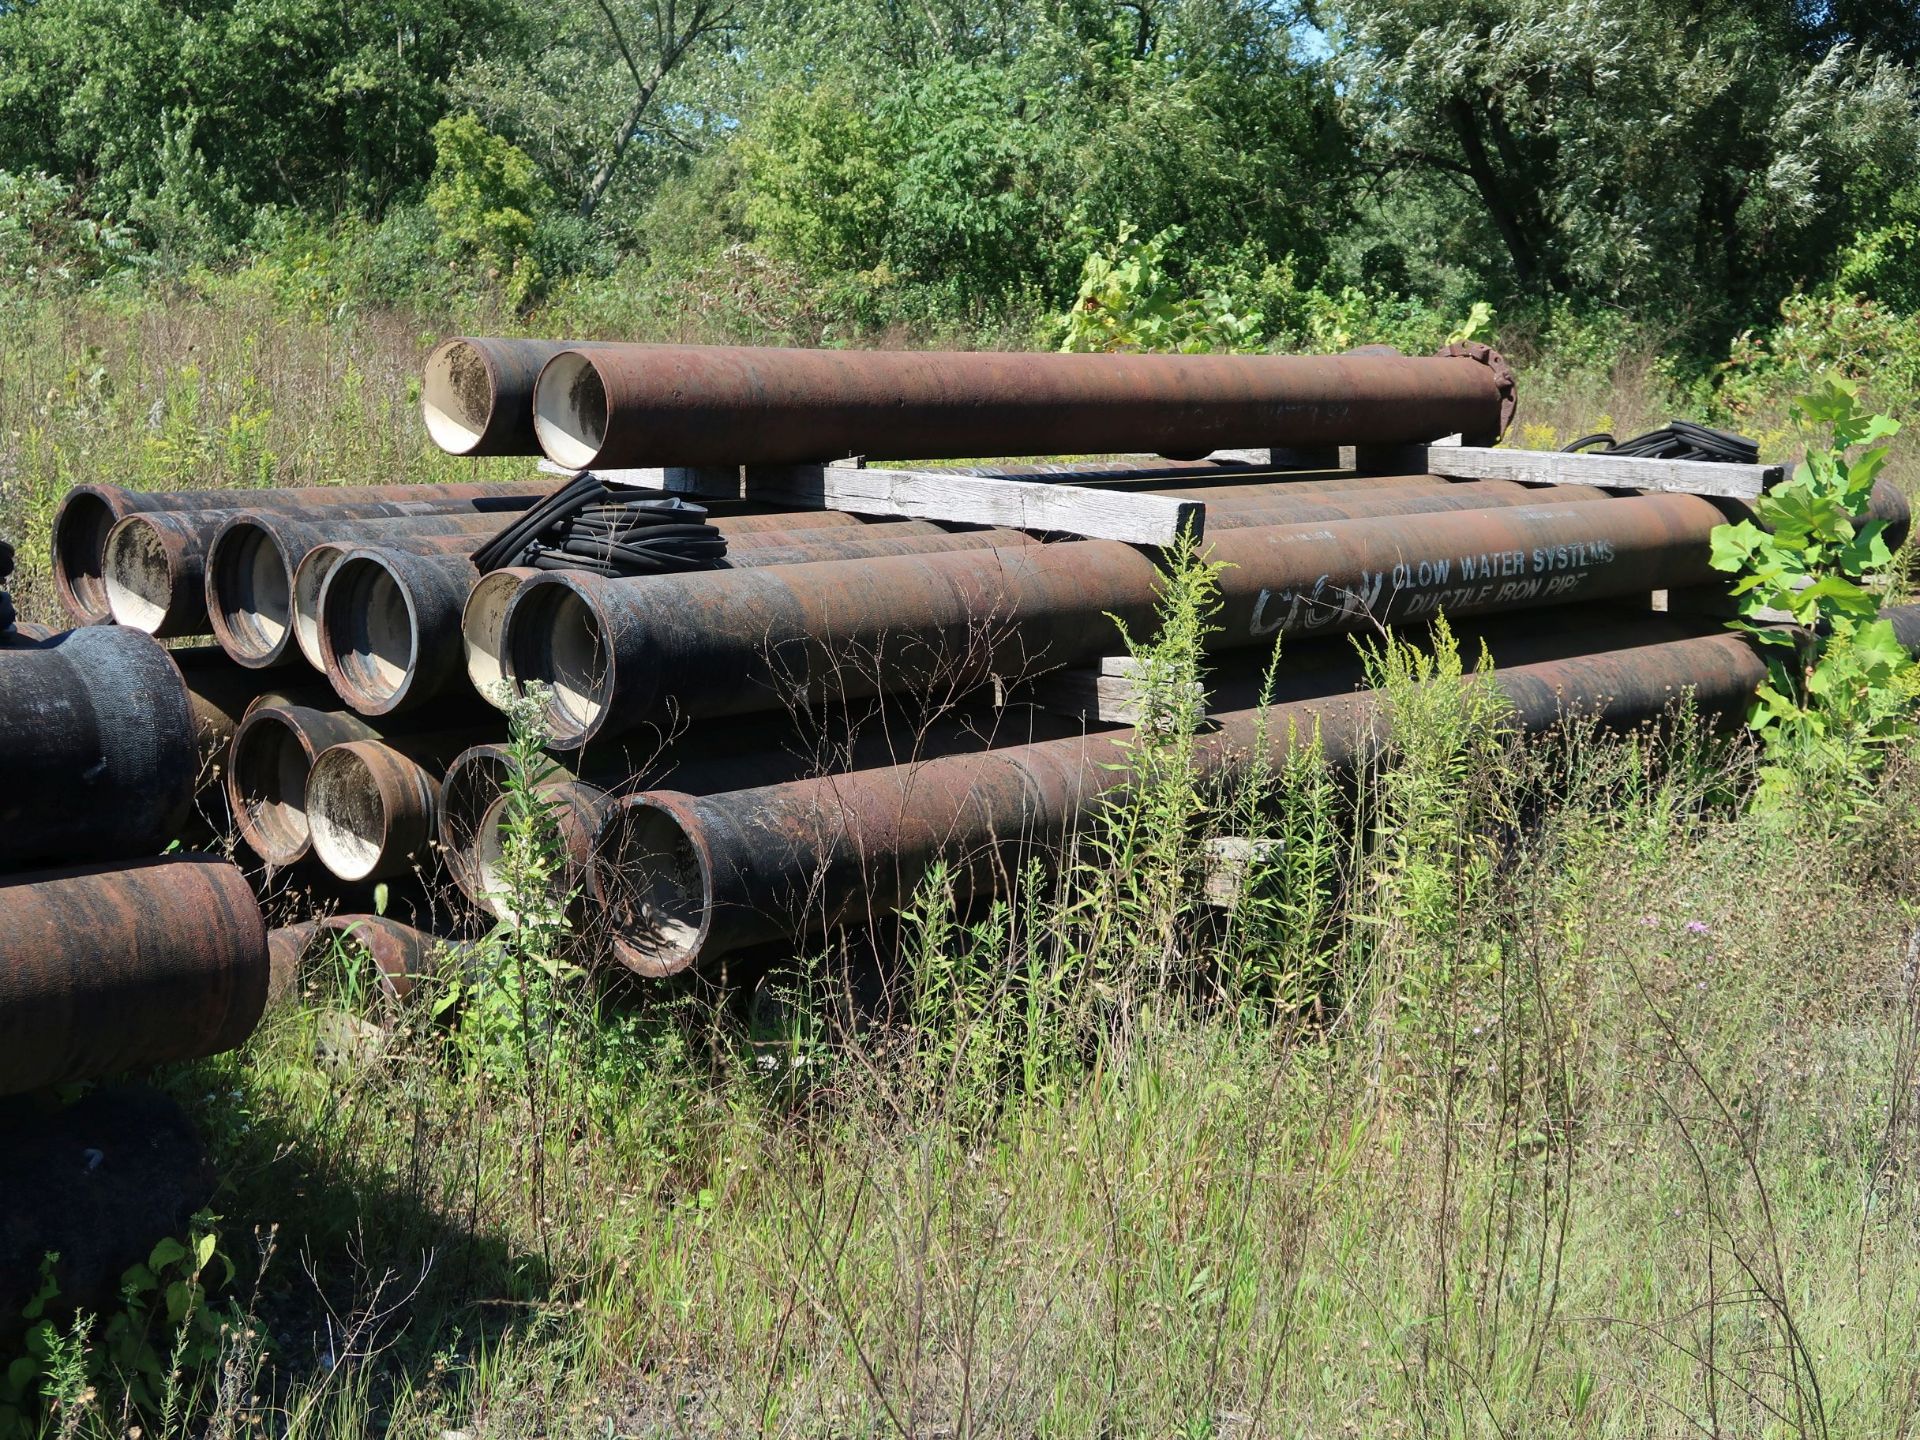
[703, 827]
[112, 957]
[739, 752]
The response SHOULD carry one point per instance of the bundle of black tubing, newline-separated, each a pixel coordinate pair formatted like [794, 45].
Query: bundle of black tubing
[1677, 440]
[590, 525]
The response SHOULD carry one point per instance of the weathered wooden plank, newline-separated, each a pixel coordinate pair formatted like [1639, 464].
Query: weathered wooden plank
[1613, 472]
[974, 500]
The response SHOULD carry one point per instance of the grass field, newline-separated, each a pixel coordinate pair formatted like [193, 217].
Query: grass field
[1548, 1091]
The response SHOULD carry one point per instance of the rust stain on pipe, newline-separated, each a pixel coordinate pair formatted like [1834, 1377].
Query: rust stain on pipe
[739, 405]
[687, 880]
[109, 968]
[88, 513]
[616, 652]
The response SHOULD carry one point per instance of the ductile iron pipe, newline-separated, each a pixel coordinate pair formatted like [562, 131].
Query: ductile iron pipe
[272, 757]
[671, 405]
[110, 967]
[614, 653]
[88, 513]
[686, 880]
[99, 748]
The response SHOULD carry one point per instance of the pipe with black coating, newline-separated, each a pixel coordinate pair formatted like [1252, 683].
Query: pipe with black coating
[99, 748]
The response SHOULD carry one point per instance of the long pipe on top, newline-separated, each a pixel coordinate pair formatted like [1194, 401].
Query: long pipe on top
[88, 513]
[629, 405]
[686, 880]
[614, 653]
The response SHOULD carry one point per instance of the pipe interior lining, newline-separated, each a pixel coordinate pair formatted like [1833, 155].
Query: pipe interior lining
[346, 814]
[253, 598]
[270, 768]
[370, 631]
[654, 887]
[467, 798]
[570, 410]
[457, 397]
[307, 582]
[482, 626]
[557, 641]
[84, 525]
[137, 576]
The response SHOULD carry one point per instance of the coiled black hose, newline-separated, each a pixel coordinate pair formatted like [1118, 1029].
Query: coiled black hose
[589, 525]
[1679, 440]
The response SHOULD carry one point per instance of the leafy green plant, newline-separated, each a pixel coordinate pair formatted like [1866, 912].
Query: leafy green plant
[1838, 692]
[150, 1352]
[512, 995]
[485, 195]
[1128, 300]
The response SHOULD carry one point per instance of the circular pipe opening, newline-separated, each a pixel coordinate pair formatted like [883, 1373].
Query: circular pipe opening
[346, 814]
[308, 581]
[80, 542]
[652, 879]
[251, 592]
[474, 781]
[489, 857]
[138, 577]
[554, 638]
[269, 768]
[483, 628]
[456, 397]
[570, 410]
[368, 635]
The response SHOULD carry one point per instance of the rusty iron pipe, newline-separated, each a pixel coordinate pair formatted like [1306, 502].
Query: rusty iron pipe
[741, 405]
[476, 393]
[267, 771]
[686, 880]
[373, 806]
[726, 755]
[111, 967]
[399, 955]
[88, 513]
[615, 652]
[155, 565]
[99, 749]
[252, 559]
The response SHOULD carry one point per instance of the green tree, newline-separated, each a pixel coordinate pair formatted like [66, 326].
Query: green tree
[216, 107]
[1660, 153]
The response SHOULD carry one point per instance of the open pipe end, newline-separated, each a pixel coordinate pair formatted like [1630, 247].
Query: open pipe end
[348, 815]
[576, 810]
[457, 397]
[137, 575]
[267, 785]
[249, 593]
[570, 410]
[655, 880]
[309, 579]
[369, 635]
[473, 782]
[80, 530]
[483, 631]
[553, 636]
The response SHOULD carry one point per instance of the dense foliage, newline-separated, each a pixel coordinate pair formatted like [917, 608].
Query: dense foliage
[853, 165]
